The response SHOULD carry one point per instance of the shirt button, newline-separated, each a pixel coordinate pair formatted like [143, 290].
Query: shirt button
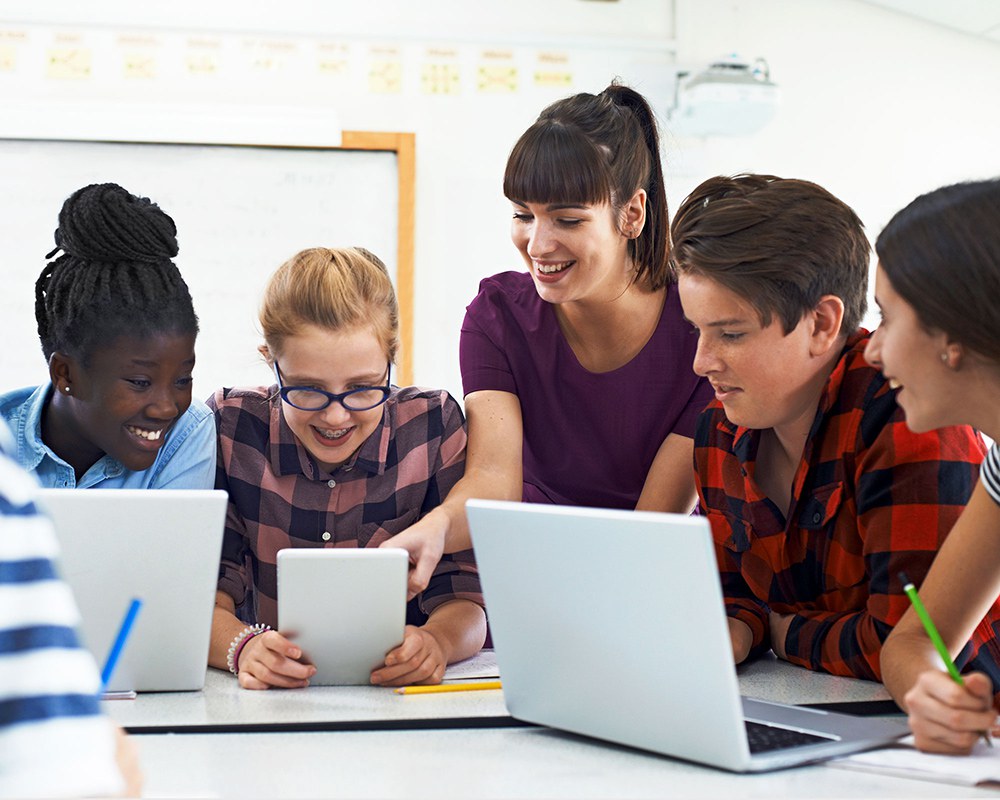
[816, 518]
[331, 483]
[326, 536]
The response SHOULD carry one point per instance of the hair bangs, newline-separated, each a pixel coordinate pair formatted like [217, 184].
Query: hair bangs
[554, 163]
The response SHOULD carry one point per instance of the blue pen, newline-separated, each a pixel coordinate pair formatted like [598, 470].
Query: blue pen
[119, 645]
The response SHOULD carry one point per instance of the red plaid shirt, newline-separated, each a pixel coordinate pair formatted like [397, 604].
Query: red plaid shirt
[870, 498]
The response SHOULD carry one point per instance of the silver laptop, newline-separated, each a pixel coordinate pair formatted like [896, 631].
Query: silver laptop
[161, 545]
[611, 624]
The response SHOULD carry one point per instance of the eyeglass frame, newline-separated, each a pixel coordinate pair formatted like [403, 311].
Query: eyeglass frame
[332, 398]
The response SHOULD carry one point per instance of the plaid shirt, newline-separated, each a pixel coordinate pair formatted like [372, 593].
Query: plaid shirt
[870, 498]
[279, 497]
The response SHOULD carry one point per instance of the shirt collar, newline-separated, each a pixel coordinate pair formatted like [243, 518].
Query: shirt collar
[289, 457]
[32, 450]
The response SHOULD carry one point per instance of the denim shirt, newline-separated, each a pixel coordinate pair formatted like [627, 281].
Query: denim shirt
[185, 461]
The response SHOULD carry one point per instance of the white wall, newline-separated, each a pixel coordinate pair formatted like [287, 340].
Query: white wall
[462, 139]
[876, 106]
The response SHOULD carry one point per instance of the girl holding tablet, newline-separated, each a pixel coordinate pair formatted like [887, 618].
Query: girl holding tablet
[578, 371]
[332, 454]
[937, 286]
[117, 328]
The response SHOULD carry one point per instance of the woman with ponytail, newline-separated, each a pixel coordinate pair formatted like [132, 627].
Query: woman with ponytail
[117, 329]
[577, 373]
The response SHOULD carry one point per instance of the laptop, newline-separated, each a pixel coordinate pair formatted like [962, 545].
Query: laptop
[344, 606]
[160, 545]
[611, 624]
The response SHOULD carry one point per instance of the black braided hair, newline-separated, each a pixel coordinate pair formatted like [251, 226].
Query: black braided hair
[114, 277]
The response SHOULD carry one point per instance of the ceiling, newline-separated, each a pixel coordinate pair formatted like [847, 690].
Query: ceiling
[975, 17]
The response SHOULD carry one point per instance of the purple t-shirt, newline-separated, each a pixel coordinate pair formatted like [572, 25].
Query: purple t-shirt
[589, 438]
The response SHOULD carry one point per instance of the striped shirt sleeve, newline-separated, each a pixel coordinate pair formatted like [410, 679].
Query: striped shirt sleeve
[989, 474]
[54, 741]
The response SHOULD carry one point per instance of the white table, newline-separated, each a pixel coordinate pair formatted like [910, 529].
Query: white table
[474, 763]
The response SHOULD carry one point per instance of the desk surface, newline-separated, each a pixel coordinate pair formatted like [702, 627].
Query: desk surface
[512, 762]
[222, 703]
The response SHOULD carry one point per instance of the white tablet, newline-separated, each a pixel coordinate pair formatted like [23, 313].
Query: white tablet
[345, 607]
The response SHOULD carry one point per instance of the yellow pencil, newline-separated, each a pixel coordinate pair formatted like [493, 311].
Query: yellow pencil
[449, 687]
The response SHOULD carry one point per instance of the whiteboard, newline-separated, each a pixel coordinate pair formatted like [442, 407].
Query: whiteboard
[240, 212]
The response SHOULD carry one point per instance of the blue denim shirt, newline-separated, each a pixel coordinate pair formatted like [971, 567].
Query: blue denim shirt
[185, 461]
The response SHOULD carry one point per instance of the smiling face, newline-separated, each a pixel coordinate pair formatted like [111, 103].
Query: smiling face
[576, 252]
[335, 362]
[910, 356]
[763, 377]
[121, 402]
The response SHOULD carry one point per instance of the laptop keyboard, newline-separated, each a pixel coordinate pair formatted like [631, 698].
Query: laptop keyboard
[764, 738]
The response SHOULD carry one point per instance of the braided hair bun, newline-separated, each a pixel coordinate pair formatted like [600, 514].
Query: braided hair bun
[114, 276]
[103, 222]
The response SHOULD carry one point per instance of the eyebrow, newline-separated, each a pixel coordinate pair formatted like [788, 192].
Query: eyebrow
[556, 206]
[300, 380]
[724, 323]
[140, 362]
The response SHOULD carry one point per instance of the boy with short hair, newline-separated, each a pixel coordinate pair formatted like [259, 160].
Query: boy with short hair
[817, 493]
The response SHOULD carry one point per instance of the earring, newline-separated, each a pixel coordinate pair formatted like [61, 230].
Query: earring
[944, 358]
[66, 389]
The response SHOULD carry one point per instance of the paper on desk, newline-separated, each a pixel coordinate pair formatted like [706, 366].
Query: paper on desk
[481, 665]
[981, 767]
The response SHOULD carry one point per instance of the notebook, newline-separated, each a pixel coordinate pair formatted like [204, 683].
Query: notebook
[903, 760]
[611, 624]
[344, 606]
[160, 545]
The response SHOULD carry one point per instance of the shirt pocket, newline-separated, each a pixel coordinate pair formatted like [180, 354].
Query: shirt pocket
[833, 566]
[822, 507]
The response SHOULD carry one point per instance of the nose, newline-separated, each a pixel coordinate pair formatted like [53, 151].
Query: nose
[166, 404]
[334, 416]
[705, 360]
[541, 240]
[873, 350]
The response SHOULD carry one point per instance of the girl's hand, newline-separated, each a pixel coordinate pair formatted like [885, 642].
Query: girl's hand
[419, 659]
[269, 659]
[946, 717]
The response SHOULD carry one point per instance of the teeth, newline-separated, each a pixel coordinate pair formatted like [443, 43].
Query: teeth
[549, 269]
[334, 434]
[894, 384]
[142, 433]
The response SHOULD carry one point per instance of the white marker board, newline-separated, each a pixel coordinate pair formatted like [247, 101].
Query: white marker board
[240, 212]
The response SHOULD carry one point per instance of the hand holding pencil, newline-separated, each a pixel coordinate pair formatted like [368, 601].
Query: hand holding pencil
[949, 712]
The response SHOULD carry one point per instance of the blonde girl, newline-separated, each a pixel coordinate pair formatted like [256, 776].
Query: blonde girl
[333, 455]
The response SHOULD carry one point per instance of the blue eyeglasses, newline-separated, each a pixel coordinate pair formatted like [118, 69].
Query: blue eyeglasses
[307, 398]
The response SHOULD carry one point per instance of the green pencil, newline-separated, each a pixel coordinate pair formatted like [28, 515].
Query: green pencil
[935, 637]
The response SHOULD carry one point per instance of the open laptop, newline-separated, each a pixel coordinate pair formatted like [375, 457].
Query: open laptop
[611, 624]
[161, 545]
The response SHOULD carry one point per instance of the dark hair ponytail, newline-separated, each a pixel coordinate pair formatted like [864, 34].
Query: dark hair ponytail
[593, 149]
[650, 252]
[115, 275]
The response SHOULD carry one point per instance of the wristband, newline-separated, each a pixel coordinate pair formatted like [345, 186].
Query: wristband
[239, 642]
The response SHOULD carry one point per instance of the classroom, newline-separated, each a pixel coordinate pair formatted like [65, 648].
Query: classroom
[263, 129]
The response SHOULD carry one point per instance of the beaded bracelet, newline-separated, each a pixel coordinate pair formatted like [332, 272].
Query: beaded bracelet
[238, 643]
